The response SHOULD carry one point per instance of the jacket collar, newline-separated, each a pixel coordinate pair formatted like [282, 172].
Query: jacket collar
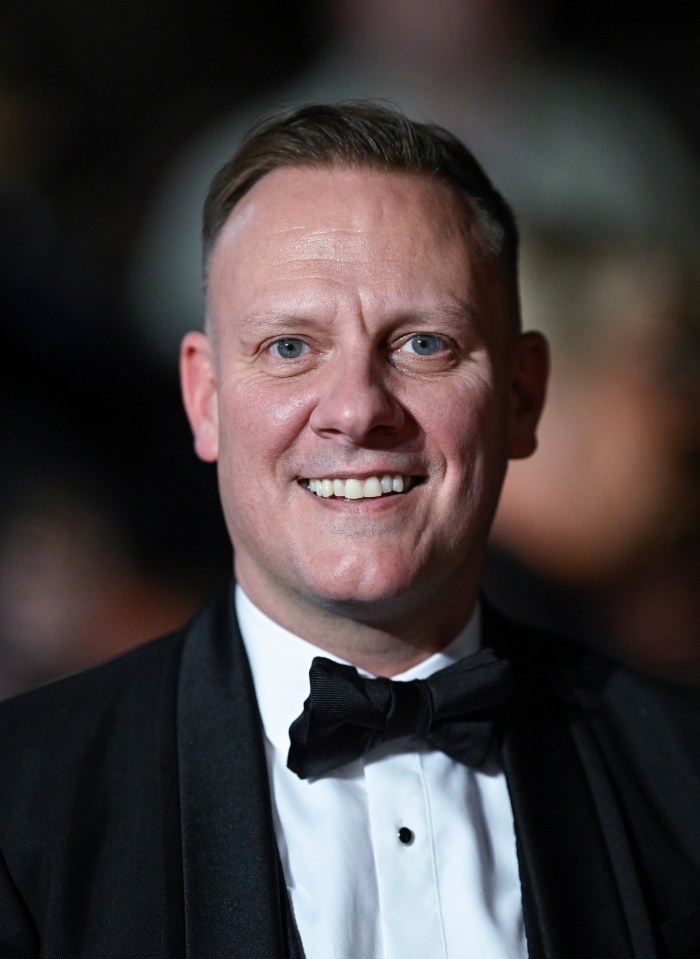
[232, 884]
[575, 902]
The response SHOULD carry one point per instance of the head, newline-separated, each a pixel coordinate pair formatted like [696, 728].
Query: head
[367, 136]
[363, 379]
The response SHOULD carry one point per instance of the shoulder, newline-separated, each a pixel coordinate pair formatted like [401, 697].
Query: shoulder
[61, 708]
[113, 704]
[653, 721]
[108, 721]
[134, 684]
[86, 741]
[593, 680]
[645, 729]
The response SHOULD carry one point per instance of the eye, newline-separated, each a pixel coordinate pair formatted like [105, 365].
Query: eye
[423, 344]
[289, 348]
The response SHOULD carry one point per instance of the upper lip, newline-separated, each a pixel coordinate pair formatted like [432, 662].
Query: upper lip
[361, 474]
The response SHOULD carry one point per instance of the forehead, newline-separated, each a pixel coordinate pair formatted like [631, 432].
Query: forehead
[388, 235]
[304, 203]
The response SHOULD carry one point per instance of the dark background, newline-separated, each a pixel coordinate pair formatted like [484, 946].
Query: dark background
[95, 99]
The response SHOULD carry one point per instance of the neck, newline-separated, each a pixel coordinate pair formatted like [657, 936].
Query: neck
[383, 641]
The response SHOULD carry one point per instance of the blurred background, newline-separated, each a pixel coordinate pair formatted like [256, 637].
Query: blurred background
[113, 118]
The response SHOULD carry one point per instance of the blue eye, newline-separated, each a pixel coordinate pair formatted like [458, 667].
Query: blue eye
[424, 344]
[289, 347]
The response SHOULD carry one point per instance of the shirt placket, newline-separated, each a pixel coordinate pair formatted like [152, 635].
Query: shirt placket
[402, 840]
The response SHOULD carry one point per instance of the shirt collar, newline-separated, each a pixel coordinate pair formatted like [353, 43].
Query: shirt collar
[280, 663]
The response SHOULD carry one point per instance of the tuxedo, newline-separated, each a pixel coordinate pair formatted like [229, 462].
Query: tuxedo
[135, 815]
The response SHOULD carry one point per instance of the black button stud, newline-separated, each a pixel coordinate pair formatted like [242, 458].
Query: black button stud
[406, 835]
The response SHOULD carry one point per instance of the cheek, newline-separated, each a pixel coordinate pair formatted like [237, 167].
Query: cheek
[466, 424]
[288, 410]
[258, 422]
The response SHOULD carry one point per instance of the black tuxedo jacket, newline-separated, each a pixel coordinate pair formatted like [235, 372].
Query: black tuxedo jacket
[135, 814]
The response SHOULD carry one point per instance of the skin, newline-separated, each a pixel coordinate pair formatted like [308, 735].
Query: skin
[347, 266]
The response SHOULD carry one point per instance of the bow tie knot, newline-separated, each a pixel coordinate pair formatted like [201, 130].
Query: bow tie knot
[410, 711]
[346, 715]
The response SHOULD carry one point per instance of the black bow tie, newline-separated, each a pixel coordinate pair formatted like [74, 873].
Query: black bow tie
[346, 715]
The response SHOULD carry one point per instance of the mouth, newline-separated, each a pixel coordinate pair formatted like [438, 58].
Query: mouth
[354, 488]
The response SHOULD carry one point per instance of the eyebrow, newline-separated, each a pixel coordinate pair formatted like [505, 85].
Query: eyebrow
[275, 320]
[272, 319]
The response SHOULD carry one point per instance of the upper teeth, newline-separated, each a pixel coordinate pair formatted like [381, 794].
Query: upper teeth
[373, 486]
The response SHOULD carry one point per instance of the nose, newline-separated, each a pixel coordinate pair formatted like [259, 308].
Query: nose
[356, 403]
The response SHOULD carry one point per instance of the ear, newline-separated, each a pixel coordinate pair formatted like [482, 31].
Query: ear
[199, 393]
[529, 372]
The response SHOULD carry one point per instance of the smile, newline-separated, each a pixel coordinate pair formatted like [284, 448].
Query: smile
[351, 488]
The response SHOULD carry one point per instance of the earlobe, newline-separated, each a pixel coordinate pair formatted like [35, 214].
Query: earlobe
[199, 393]
[528, 389]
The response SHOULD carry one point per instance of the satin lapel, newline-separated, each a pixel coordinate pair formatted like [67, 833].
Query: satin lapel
[571, 903]
[230, 863]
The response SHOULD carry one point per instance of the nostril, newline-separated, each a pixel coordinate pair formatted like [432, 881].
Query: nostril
[354, 407]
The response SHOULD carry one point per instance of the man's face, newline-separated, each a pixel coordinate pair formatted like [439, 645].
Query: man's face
[359, 342]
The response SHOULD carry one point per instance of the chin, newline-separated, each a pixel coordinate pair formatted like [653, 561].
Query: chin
[365, 595]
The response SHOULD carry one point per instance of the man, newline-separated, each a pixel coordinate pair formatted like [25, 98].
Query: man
[361, 383]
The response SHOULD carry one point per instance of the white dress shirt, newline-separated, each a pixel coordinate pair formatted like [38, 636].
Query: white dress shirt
[357, 891]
